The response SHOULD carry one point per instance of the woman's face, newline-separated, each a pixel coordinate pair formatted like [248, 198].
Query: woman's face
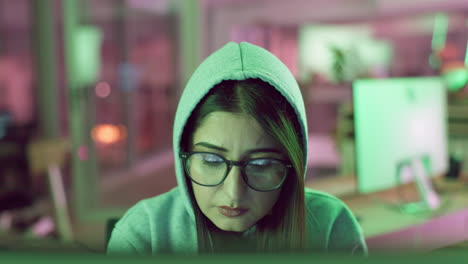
[232, 205]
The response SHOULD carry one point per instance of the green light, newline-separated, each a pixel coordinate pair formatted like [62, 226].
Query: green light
[466, 55]
[456, 79]
[434, 61]
[440, 31]
[87, 48]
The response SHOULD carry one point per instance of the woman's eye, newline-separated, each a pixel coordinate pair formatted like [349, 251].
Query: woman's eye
[211, 158]
[262, 162]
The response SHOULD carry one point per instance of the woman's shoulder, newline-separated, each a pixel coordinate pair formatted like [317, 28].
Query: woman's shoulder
[332, 223]
[149, 210]
[324, 209]
[319, 199]
[154, 224]
[153, 205]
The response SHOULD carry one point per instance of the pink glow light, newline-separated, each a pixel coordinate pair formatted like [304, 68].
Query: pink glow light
[83, 153]
[103, 89]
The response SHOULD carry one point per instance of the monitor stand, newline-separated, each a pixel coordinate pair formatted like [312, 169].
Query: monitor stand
[428, 198]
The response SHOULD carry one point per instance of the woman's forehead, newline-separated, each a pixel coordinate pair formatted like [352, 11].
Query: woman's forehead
[231, 130]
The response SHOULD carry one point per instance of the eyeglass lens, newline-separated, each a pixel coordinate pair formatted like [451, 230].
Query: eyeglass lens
[210, 169]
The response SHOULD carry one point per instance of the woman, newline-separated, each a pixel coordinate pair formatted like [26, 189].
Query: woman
[240, 147]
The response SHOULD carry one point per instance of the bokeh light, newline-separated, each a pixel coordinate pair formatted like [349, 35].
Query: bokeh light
[108, 133]
[103, 89]
[83, 152]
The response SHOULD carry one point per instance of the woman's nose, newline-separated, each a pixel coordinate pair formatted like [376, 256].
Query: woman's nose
[234, 185]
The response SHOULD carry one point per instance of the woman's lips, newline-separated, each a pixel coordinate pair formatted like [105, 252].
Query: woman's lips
[231, 212]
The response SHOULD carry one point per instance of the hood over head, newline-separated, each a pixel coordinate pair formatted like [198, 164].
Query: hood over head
[234, 61]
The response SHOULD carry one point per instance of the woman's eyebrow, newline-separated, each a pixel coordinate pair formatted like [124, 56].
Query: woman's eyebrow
[251, 151]
[264, 150]
[211, 146]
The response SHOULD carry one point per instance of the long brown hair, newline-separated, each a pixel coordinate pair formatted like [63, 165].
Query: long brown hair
[283, 229]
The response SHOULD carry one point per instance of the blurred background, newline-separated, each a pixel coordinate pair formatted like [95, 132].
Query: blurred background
[88, 92]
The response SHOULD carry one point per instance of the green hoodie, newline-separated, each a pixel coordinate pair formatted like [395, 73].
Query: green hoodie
[166, 223]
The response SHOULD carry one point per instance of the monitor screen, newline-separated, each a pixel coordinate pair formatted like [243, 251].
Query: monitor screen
[397, 120]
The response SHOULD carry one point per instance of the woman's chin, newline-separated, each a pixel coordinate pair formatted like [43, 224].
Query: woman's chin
[230, 227]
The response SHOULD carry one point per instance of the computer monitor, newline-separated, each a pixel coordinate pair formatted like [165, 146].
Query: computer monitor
[400, 123]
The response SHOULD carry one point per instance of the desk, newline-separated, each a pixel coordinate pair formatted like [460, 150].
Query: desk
[386, 228]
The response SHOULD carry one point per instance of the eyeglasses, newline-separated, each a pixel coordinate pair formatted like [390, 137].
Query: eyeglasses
[210, 169]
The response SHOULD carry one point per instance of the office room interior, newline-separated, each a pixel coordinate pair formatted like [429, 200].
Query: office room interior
[89, 89]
